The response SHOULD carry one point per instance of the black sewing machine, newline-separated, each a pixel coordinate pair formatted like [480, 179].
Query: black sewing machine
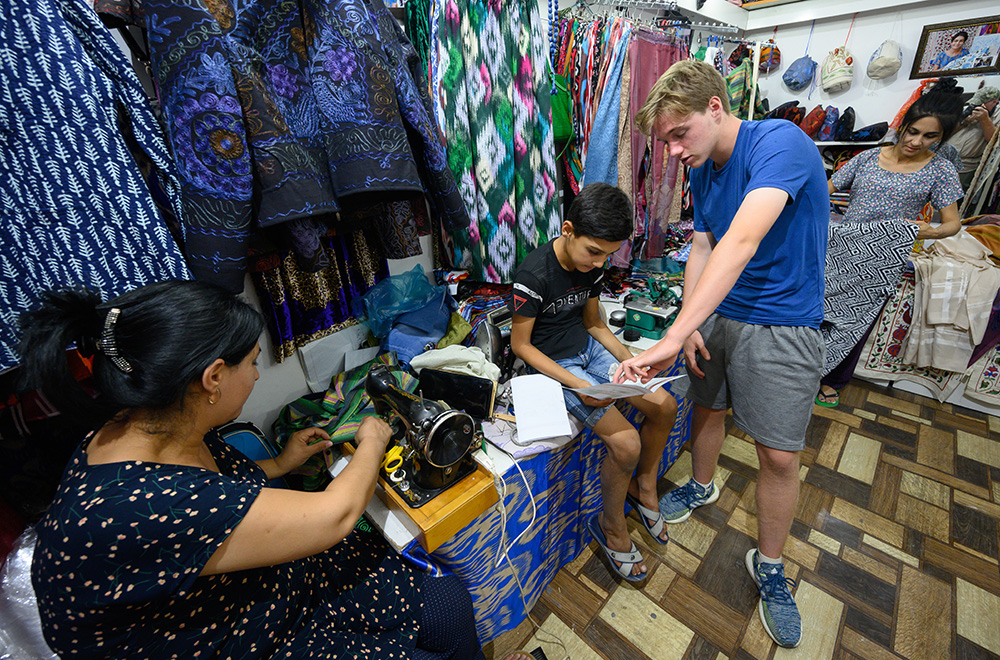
[436, 443]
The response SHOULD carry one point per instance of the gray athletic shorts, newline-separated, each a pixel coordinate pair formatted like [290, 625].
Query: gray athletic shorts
[768, 375]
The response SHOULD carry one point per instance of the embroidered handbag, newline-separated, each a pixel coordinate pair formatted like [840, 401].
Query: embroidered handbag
[800, 73]
[844, 126]
[838, 70]
[885, 61]
[829, 122]
[813, 121]
[770, 59]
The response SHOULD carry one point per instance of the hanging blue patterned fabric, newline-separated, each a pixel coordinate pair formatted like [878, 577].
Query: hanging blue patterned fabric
[74, 207]
[277, 108]
[602, 151]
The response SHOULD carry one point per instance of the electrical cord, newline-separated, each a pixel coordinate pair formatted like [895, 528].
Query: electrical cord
[503, 549]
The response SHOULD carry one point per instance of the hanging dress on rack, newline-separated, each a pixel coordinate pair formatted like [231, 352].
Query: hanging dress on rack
[651, 53]
[278, 110]
[75, 209]
[602, 149]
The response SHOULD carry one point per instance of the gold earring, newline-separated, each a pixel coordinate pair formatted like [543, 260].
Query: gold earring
[218, 393]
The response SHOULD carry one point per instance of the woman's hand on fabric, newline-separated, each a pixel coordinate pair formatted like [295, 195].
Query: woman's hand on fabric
[301, 445]
[924, 230]
[693, 347]
[373, 429]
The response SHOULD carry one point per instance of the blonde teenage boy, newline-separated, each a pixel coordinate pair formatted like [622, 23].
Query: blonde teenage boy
[753, 302]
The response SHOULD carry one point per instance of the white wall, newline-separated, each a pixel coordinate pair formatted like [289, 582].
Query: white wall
[283, 382]
[872, 100]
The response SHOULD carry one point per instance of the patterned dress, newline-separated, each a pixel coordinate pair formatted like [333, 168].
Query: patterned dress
[878, 194]
[118, 556]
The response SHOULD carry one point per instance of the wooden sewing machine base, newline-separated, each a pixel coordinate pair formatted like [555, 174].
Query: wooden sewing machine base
[448, 512]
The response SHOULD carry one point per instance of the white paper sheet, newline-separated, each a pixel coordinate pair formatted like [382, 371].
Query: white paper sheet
[624, 390]
[539, 407]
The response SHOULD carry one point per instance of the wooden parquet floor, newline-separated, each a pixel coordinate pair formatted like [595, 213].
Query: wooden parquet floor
[895, 547]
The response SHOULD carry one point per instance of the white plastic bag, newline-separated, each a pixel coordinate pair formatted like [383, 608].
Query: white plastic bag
[20, 626]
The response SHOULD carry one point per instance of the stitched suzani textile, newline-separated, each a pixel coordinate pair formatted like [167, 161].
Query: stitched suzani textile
[74, 207]
[277, 109]
[882, 357]
[492, 84]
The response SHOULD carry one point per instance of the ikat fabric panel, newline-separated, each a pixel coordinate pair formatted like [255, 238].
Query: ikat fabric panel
[491, 89]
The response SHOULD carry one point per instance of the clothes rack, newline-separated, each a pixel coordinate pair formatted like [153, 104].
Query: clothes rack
[645, 4]
[666, 5]
[747, 42]
[715, 27]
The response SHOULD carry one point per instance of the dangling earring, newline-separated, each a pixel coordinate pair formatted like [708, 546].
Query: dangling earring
[218, 394]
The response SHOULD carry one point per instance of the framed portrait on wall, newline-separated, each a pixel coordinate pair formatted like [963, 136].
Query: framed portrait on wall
[960, 48]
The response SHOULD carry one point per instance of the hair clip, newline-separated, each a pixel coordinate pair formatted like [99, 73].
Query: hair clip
[106, 344]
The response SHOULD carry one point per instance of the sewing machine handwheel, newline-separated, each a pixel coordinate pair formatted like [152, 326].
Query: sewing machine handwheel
[449, 439]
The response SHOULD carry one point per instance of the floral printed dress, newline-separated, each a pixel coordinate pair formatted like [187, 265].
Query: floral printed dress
[118, 557]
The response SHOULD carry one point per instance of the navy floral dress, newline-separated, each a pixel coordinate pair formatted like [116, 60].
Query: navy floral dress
[118, 557]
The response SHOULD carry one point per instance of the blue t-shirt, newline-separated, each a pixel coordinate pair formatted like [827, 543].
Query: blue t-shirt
[783, 282]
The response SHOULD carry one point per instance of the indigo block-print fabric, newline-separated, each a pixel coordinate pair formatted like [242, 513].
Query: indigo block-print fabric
[119, 553]
[74, 207]
[279, 108]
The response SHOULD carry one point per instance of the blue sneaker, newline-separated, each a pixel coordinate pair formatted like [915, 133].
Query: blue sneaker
[676, 506]
[777, 608]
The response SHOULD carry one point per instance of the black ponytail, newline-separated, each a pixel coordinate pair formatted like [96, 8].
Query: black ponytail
[64, 318]
[166, 335]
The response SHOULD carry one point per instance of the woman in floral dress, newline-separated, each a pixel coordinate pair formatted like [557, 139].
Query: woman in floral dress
[895, 182]
[164, 542]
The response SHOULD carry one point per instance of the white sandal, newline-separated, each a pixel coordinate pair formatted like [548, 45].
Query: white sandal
[645, 515]
[622, 562]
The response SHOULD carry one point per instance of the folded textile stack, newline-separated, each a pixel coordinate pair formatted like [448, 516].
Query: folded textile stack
[956, 283]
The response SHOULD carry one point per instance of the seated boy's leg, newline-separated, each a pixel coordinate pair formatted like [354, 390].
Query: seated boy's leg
[622, 442]
[660, 411]
[595, 365]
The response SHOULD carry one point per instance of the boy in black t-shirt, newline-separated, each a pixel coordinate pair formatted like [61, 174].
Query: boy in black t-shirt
[558, 331]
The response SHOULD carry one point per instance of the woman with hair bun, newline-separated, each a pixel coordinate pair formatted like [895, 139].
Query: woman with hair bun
[895, 182]
[163, 541]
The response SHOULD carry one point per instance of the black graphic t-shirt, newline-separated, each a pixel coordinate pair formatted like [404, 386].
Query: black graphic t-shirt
[555, 298]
